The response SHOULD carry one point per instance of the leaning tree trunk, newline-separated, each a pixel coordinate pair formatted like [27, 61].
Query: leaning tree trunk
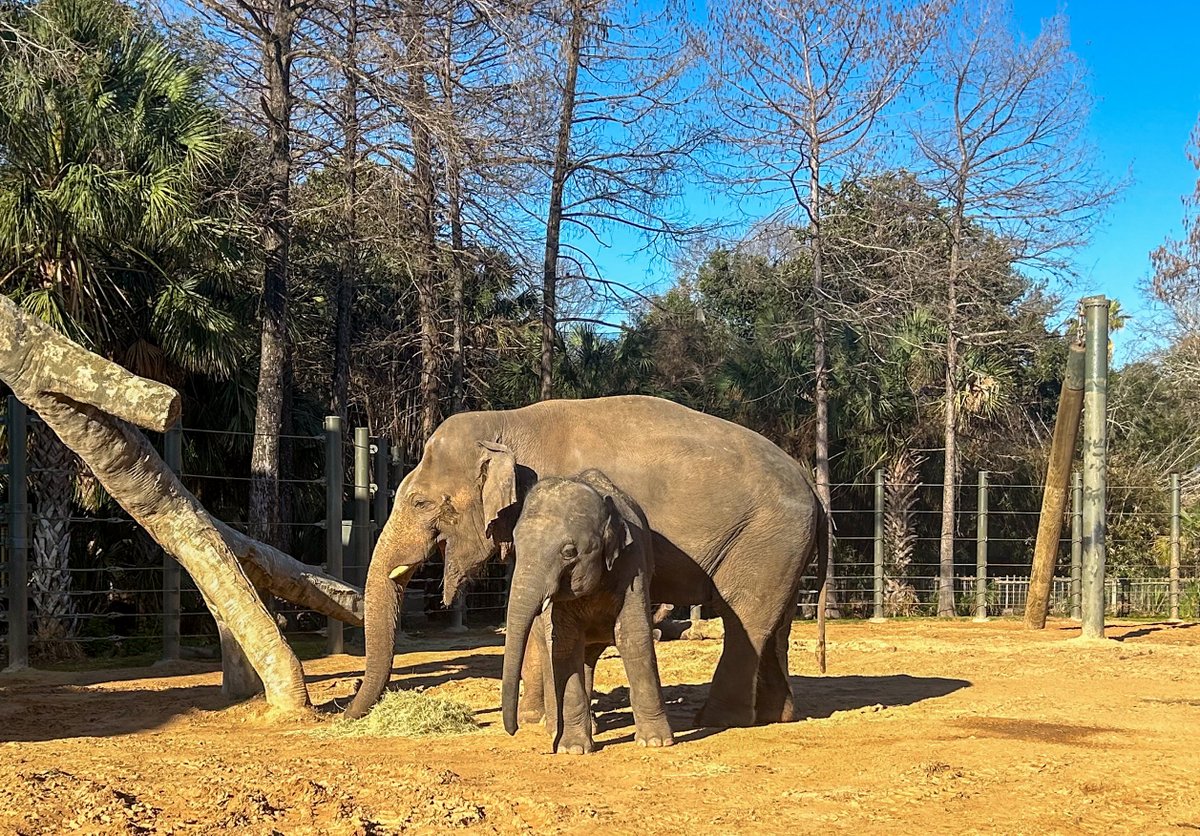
[90, 404]
[51, 477]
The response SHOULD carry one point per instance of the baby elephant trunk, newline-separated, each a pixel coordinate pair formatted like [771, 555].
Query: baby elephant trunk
[524, 604]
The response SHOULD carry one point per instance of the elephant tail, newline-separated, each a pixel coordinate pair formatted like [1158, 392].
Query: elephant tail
[824, 538]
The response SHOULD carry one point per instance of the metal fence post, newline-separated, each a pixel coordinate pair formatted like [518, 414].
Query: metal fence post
[981, 549]
[1175, 535]
[172, 571]
[1095, 464]
[1076, 543]
[458, 612]
[382, 464]
[360, 533]
[18, 537]
[878, 580]
[333, 520]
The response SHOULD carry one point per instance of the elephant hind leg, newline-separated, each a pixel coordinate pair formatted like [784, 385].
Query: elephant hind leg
[758, 620]
[774, 701]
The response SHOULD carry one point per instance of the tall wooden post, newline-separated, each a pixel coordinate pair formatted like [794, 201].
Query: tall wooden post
[360, 532]
[1076, 544]
[333, 521]
[1176, 526]
[1054, 494]
[1095, 464]
[879, 501]
[382, 465]
[18, 536]
[981, 549]
[172, 571]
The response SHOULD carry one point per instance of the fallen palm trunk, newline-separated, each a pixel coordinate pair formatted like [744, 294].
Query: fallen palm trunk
[79, 395]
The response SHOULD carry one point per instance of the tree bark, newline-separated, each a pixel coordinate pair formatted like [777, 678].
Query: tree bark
[558, 179]
[1054, 495]
[52, 480]
[458, 394]
[426, 200]
[276, 235]
[348, 256]
[950, 425]
[221, 561]
[821, 368]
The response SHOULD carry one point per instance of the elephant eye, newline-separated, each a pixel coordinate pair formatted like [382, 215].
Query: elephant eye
[569, 552]
[420, 502]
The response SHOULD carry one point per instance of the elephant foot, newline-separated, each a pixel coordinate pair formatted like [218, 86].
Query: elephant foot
[576, 738]
[713, 715]
[529, 716]
[575, 744]
[654, 734]
[786, 715]
[574, 749]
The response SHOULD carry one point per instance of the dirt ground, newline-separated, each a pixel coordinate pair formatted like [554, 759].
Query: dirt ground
[919, 726]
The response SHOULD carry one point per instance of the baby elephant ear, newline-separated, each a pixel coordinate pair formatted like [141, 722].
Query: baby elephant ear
[498, 485]
[620, 536]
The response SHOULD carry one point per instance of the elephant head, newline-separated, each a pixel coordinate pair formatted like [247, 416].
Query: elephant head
[567, 538]
[460, 499]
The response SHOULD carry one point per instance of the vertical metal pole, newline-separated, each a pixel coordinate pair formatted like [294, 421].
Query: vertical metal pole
[1076, 543]
[458, 613]
[380, 502]
[878, 580]
[981, 549]
[1095, 464]
[333, 520]
[18, 537]
[172, 572]
[360, 535]
[1175, 536]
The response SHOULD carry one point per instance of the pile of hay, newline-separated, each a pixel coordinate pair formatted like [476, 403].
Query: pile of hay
[407, 714]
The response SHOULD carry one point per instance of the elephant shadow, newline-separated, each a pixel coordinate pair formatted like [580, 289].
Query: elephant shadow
[817, 698]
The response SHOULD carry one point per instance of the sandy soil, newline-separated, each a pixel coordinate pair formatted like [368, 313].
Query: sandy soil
[920, 726]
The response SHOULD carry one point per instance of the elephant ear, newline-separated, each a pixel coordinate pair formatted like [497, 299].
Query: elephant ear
[618, 535]
[498, 484]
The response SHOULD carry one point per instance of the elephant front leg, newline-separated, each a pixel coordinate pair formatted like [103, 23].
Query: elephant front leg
[591, 657]
[635, 642]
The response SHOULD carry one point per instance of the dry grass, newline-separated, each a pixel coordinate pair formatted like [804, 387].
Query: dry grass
[407, 714]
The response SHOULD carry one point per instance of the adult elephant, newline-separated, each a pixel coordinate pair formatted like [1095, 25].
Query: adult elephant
[733, 518]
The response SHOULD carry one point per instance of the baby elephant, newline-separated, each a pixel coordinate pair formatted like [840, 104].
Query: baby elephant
[582, 575]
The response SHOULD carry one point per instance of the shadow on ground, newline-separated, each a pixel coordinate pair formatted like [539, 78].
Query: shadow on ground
[817, 698]
[45, 706]
[1155, 627]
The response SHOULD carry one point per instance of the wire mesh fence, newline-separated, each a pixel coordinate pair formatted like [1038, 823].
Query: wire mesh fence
[99, 586]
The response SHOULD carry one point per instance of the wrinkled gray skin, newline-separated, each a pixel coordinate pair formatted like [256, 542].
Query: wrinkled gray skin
[733, 520]
[581, 584]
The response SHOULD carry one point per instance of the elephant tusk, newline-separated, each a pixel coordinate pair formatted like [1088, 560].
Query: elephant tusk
[546, 604]
[400, 571]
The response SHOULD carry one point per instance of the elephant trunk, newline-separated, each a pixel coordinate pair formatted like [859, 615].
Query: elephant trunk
[524, 604]
[389, 573]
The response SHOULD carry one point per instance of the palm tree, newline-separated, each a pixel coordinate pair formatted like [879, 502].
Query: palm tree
[107, 144]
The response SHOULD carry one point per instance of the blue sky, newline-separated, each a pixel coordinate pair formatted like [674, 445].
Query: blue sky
[1143, 64]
